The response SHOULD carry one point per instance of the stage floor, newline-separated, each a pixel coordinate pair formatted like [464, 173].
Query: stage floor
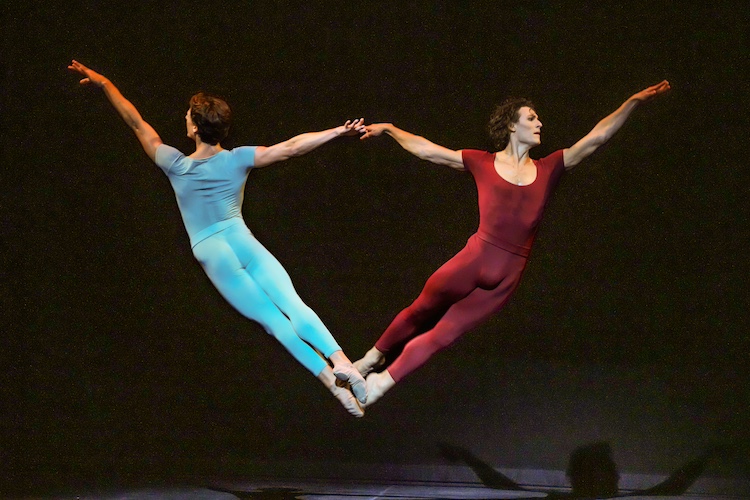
[319, 490]
[325, 491]
[307, 481]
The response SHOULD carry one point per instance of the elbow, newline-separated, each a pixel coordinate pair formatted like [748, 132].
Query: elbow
[600, 138]
[422, 150]
[423, 154]
[135, 126]
[290, 151]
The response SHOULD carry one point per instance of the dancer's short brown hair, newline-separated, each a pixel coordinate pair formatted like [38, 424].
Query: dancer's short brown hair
[212, 116]
[504, 115]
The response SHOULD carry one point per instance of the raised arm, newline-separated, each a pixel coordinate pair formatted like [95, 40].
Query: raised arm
[485, 472]
[605, 129]
[147, 136]
[304, 143]
[416, 145]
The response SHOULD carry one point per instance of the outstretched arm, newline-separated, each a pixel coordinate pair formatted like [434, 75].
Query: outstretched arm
[684, 477]
[605, 129]
[304, 143]
[418, 146]
[148, 137]
[485, 472]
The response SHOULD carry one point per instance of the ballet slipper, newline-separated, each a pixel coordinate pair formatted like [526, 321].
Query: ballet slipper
[347, 400]
[346, 372]
[371, 360]
[377, 385]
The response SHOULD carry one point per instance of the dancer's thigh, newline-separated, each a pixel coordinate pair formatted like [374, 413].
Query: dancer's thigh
[227, 273]
[479, 305]
[264, 268]
[455, 279]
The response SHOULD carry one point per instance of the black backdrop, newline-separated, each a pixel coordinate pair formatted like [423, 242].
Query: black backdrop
[629, 327]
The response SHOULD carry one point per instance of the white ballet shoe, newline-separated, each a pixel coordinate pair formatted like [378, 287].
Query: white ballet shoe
[348, 401]
[346, 372]
[371, 360]
[377, 385]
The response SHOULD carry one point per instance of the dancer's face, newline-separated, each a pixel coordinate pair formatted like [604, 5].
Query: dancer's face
[528, 128]
[191, 128]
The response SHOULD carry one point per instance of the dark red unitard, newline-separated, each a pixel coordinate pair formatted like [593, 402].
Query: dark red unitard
[478, 281]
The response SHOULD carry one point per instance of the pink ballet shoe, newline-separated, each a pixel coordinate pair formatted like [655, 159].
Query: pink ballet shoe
[347, 373]
[348, 401]
[377, 385]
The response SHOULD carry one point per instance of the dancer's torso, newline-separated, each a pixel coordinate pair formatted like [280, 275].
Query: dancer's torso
[509, 214]
[208, 190]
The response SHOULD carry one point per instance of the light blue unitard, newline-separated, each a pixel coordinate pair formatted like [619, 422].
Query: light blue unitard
[209, 193]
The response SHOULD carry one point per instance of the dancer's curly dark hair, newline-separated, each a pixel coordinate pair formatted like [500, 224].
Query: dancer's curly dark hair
[504, 115]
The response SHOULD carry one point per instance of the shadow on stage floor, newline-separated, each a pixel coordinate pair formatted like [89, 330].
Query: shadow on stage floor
[277, 480]
[319, 490]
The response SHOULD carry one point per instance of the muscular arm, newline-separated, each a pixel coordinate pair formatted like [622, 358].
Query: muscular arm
[304, 143]
[416, 145]
[147, 136]
[605, 129]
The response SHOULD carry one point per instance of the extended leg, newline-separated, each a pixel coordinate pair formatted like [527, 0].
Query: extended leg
[461, 317]
[275, 281]
[453, 281]
[231, 279]
[266, 270]
[239, 288]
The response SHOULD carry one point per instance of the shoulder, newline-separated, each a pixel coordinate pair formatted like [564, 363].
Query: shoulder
[167, 157]
[244, 155]
[476, 154]
[553, 161]
[474, 157]
[166, 151]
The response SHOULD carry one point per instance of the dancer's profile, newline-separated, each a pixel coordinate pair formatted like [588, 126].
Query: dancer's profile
[209, 186]
[513, 191]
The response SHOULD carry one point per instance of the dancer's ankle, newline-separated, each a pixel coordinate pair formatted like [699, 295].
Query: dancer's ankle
[372, 359]
[339, 358]
[377, 385]
[327, 378]
[376, 355]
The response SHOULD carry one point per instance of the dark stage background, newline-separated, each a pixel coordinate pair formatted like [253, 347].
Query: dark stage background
[630, 326]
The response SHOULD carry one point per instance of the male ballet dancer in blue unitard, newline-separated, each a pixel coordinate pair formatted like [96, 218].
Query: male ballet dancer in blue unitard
[209, 186]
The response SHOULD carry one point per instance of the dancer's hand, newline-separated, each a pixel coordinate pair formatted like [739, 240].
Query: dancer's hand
[374, 130]
[651, 92]
[91, 76]
[353, 127]
[607, 127]
[145, 133]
